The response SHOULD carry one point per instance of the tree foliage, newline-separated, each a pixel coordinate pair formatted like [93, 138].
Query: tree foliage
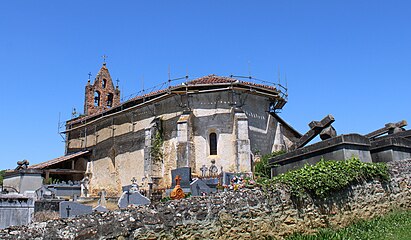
[261, 169]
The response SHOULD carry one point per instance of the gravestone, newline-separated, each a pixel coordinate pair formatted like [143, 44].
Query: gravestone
[198, 188]
[126, 188]
[178, 192]
[45, 193]
[185, 175]
[212, 183]
[132, 197]
[100, 209]
[204, 170]
[72, 209]
[227, 176]
[102, 203]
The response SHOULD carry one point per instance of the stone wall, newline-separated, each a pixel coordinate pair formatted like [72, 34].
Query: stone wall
[244, 214]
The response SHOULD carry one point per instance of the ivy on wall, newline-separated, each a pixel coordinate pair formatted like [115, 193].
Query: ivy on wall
[157, 147]
[325, 177]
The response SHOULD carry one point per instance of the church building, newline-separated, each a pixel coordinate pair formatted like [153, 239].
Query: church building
[212, 119]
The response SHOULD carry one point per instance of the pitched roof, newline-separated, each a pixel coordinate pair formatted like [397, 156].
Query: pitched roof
[214, 79]
[58, 160]
[206, 80]
[210, 79]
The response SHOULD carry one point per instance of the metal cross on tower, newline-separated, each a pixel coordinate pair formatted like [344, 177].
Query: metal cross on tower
[104, 58]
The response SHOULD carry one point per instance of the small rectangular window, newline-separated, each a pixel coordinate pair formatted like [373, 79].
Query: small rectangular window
[213, 143]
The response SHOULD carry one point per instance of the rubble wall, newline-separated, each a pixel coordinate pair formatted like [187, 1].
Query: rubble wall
[244, 214]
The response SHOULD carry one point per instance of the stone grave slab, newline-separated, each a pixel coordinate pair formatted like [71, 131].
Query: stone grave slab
[100, 208]
[72, 209]
[198, 187]
[211, 182]
[227, 176]
[132, 198]
[126, 188]
[184, 173]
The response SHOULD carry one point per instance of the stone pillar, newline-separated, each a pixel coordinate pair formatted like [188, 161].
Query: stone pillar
[152, 167]
[147, 151]
[184, 143]
[242, 142]
[279, 144]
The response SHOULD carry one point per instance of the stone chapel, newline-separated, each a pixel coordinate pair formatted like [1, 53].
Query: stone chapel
[216, 119]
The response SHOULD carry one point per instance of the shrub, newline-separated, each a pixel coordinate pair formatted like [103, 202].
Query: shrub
[262, 170]
[328, 176]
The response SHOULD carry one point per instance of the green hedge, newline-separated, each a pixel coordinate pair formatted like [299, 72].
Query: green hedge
[328, 176]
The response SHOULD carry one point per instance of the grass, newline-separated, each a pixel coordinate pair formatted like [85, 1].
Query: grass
[393, 226]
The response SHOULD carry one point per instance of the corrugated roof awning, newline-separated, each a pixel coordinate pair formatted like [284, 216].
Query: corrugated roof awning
[58, 160]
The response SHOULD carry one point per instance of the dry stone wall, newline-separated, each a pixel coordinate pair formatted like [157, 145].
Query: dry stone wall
[244, 214]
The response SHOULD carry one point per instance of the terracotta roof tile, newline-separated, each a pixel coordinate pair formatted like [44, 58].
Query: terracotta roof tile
[210, 79]
[57, 160]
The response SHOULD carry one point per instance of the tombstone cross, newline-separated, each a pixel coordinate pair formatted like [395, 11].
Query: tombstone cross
[68, 210]
[178, 180]
[134, 181]
[203, 170]
[128, 197]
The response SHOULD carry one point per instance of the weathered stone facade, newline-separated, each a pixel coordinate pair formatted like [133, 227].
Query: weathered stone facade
[150, 135]
[248, 214]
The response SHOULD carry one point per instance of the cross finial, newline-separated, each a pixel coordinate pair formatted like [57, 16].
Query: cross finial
[104, 59]
[118, 80]
[178, 180]
[203, 170]
[134, 180]
[89, 75]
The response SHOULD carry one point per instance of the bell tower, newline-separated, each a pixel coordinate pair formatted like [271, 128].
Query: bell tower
[101, 95]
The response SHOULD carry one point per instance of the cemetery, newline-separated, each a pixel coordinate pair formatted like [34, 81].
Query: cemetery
[26, 193]
[161, 161]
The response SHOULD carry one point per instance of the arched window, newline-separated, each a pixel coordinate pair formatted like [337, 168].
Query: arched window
[104, 83]
[109, 100]
[96, 98]
[213, 143]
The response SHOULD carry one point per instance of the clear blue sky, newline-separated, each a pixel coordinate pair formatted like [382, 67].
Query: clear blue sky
[348, 58]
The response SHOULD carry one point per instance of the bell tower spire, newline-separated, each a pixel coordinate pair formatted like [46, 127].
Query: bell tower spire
[101, 95]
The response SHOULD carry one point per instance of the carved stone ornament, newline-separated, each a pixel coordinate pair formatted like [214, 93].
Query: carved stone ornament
[177, 192]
